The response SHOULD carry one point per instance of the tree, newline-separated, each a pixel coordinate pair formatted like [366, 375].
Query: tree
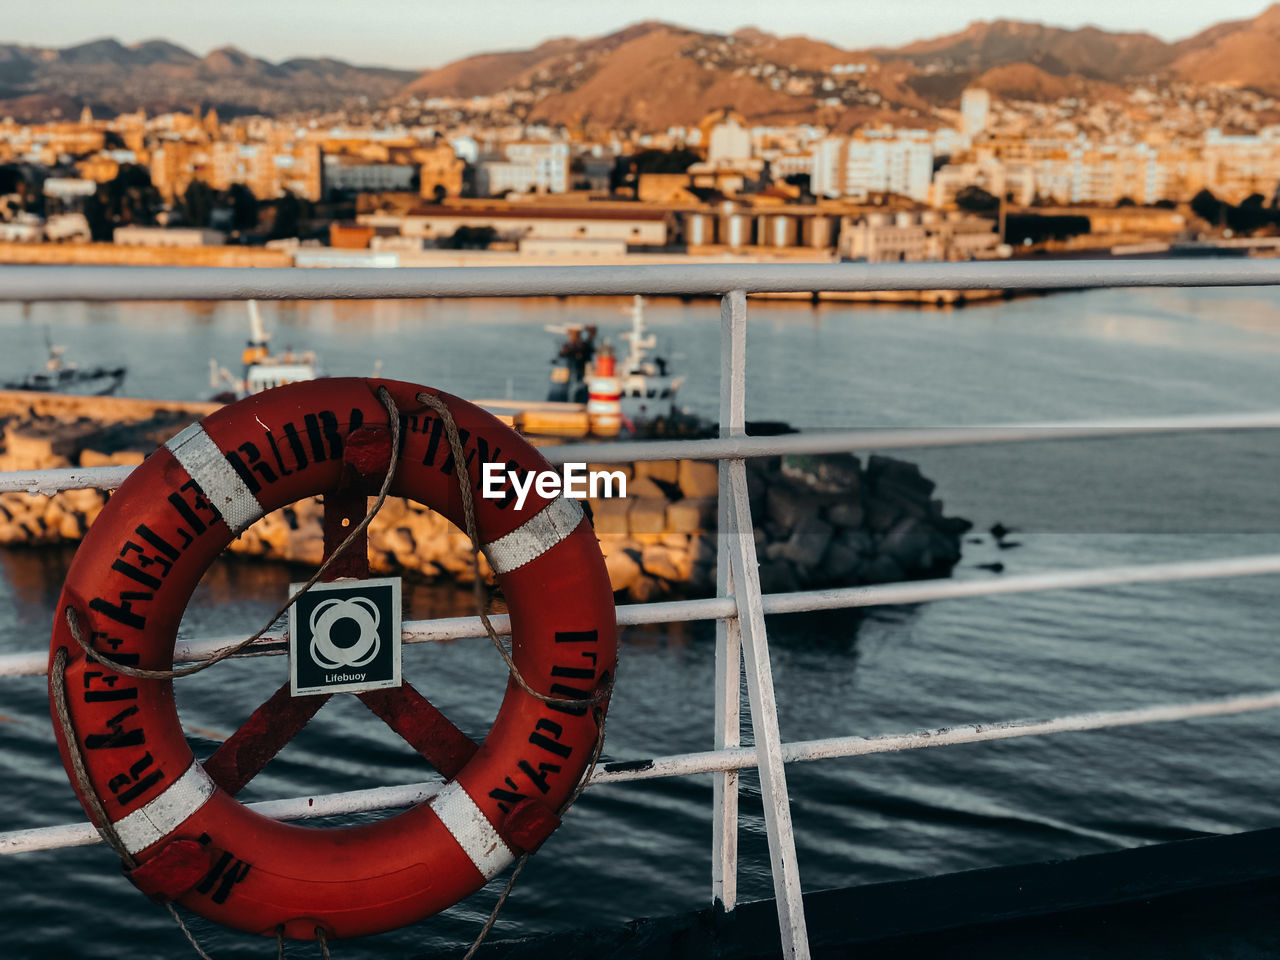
[244, 207]
[663, 161]
[1125, 202]
[1207, 207]
[471, 238]
[288, 220]
[801, 180]
[130, 197]
[1251, 215]
[976, 200]
[95, 211]
[197, 203]
[11, 178]
[19, 179]
[1037, 227]
[627, 170]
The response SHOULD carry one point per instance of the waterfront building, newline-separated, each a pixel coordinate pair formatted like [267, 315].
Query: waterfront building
[141, 236]
[878, 161]
[638, 226]
[525, 168]
[882, 237]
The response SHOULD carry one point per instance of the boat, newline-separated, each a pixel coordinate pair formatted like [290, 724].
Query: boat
[592, 393]
[646, 390]
[59, 376]
[260, 370]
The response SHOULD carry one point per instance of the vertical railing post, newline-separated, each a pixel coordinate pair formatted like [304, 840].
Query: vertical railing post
[724, 828]
[738, 539]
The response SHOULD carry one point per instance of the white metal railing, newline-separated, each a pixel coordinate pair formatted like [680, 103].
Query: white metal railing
[738, 446]
[739, 607]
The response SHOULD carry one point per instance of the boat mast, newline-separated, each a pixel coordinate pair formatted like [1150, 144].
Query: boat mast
[258, 335]
[640, 341]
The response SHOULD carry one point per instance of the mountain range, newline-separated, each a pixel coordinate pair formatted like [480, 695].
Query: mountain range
[651, 75]
[158, 75]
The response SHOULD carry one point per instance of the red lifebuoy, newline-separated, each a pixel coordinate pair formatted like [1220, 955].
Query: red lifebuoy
[134, 574]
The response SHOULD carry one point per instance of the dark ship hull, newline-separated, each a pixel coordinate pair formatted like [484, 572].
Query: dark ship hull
[1206, 897]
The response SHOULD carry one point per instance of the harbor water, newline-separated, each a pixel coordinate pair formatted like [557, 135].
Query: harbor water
[643, 849]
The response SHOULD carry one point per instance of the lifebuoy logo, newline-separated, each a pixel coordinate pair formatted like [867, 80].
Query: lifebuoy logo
[345, 637]
[360, 611]
[576, 483]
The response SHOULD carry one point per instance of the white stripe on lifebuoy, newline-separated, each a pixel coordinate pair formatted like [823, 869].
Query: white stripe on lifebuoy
[472, 829]
[166, 813]
[535, 536]
[208, 466]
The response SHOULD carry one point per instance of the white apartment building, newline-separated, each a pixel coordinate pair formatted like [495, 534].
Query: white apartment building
[1015, 181]
[900, 162]
[1240, 165]
[525, 168]
[975, 111]
[730, 143]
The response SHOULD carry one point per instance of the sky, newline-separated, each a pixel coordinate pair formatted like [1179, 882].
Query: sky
[417, 34]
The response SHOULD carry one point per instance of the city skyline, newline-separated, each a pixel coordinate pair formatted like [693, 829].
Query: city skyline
[385, 34]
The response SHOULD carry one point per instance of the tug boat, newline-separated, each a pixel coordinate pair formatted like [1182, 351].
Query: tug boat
[260, 370]
[644, 388]
[648, 391]
[592, 393]
[59, 376]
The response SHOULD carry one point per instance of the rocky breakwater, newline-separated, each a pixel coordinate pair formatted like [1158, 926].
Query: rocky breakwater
[38, 441]
[819, 521]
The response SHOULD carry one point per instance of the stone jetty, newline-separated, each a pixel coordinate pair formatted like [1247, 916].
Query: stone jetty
[819, 521]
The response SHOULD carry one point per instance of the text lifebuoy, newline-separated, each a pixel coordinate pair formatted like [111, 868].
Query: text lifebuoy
[134, 574]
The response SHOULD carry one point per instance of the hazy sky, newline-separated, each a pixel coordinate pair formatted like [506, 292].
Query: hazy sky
[425, 33]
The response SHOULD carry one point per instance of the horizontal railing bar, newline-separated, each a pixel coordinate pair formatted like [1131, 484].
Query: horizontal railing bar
[57, 479]
[100, 283]
[710, 761]
[837, 441]
[716, 761]
[731, 448]
[836, 598]
[293, 808]
[924, 591]
[414, 631]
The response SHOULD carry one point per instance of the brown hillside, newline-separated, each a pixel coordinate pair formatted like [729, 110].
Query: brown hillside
[1025, 81]
[483, 73]
[1211, 35]
[487, 73]
[647, 83]
[1244, 56]
[805, 54]
[1088, 51]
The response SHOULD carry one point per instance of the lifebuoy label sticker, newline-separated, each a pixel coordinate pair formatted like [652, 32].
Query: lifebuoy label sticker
[345, 637]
